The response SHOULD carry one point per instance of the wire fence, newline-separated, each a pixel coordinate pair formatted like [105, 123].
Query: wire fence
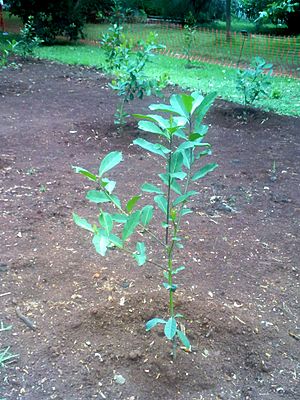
[239, 49]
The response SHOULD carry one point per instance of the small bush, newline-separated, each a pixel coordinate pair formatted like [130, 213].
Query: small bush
[255, 82]
[126, 60]
[29, 40]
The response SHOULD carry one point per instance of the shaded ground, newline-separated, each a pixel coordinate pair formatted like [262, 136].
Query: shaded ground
[240, 293]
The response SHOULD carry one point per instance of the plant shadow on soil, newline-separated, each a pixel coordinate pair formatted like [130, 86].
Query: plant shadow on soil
[239, 293]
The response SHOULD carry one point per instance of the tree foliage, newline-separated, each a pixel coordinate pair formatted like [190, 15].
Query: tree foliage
[286, 12]
[54, 17]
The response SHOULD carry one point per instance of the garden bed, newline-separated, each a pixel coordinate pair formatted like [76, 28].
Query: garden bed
[240, 292]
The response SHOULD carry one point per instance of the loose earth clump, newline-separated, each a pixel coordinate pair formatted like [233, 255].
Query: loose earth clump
[239, 293]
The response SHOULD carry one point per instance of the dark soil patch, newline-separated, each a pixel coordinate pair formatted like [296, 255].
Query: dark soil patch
[240, 293]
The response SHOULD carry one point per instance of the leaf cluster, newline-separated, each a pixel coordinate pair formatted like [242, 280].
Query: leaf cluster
[255, 82]
[29, 40]
[126, 60]
[8, 50]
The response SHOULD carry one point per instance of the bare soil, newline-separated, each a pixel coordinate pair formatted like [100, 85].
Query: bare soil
[239, 293]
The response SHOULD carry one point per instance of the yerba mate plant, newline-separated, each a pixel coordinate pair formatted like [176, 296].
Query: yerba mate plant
[180, 143]
[126, 60]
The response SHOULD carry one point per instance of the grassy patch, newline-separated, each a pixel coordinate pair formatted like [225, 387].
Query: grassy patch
[204, 76]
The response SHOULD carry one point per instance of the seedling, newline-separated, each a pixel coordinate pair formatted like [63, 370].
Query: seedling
[8, 49]
[31, 171]
[255, 82]
[42, 189]
[29, 39]
[5, 355]
[190, 31]
[126, 61]
[180, 144]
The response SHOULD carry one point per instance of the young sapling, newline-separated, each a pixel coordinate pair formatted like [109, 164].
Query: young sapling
[180, 144]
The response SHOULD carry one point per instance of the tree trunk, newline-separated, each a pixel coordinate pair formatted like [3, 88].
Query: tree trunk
[228, 19]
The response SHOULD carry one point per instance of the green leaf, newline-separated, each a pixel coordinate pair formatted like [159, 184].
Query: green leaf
[115, 200]
[176, 162]
[162, 107]
[178, 104]
[106, 222]
[174, 185]
[201, 130]
[172, 287]
[204, 171]
[153, 322]
[197, 100]
[83, 223]
[184, 340]
[100, 242]
[180, 133]
[203, 153]
[140, 256]
[178, 175]
[203, 108]
[148, 187]
[120, 218]
[175, 271]
[130, 225]
[148, 126]
[109, 185]
[170, 328]
[146, 214]
[97, 197]
[188, 158]
[109, 161]
[185, 145]
[116, 240]
[185, 211]
[132, 202]
[155, 148]
[184, 197]
[162, 203]
[85, 172]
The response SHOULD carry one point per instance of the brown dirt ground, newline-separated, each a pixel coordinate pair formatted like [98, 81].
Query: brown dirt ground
[240, 292]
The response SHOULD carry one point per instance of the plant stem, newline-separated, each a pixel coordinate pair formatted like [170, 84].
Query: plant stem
[169, 191]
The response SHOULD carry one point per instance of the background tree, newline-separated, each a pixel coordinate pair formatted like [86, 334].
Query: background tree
[54, 17]
[286, 12]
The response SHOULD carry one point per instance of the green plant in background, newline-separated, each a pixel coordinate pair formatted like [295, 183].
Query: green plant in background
[189, 36]
[180, 144]
[126, 60]
[255, 82]
[5, 355]
[29, 40]
[6, 51]
[276, 94]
